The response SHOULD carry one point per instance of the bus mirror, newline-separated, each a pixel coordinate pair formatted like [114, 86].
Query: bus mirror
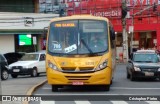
[113, 34]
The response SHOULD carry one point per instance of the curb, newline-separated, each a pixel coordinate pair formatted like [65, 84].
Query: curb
[32, 89]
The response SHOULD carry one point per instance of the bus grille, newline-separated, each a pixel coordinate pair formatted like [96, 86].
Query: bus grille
[68, 69]
[79, 70]
[86, 69]
[77, 77]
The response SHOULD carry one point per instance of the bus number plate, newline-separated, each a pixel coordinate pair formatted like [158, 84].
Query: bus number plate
[77, 83]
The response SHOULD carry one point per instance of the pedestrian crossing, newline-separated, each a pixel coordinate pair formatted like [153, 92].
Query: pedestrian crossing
[100, 102]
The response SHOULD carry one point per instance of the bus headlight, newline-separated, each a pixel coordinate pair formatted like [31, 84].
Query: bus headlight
[137, 69]
[102, 65]
[51, 65]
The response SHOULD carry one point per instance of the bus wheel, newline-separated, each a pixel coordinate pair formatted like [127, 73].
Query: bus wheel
[105, 87]
[111, 81]
[54, 88]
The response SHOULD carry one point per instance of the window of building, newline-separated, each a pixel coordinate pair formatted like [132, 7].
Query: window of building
[26, 6]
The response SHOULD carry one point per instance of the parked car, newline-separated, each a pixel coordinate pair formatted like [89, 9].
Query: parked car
[144, 64]
[13, 56]
[4, 67]
[30, 64]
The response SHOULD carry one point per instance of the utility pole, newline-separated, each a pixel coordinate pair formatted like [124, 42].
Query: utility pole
[125, 36]
[154, 6]
[132, 35]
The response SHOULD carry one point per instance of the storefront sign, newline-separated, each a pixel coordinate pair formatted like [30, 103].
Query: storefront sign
[109, 13]
[29, 21]
[141, 2]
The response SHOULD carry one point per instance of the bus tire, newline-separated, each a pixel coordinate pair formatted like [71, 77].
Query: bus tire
[111, 81]
[54, 88]
[105, 87]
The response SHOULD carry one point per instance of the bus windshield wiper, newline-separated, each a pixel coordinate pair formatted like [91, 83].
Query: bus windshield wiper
[148, 61]
[86, 46]
[138, 61]
[144, 61]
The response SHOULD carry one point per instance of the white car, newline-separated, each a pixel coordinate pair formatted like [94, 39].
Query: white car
[30, 64]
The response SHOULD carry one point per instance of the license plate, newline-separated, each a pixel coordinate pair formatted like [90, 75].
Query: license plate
[77, 83]
[149, 74]
[16, 70]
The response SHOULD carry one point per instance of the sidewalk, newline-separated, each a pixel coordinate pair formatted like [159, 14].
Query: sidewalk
[19, 86]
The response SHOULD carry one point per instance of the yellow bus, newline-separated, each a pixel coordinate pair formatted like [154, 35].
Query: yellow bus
[80, 51]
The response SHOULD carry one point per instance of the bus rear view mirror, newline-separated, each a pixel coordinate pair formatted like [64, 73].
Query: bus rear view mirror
[112, 34]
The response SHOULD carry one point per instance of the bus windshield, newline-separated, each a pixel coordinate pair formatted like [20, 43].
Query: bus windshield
[75, 37]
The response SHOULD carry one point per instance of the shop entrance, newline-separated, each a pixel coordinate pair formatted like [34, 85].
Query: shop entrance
[147, 40]
[27, 42]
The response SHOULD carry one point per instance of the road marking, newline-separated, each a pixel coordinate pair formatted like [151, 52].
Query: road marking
[119, 102]
[60, 94]
[121, 88]
[153, 102]
[134, 88]
[47, 102]
[48, 88]
[82, 102]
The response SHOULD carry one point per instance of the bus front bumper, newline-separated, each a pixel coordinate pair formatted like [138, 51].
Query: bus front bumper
[102, 77]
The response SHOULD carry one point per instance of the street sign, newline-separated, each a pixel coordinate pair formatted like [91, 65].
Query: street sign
[29, 21]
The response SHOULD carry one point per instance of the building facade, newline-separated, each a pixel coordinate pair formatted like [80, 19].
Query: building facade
[145, 24]
[21, 26]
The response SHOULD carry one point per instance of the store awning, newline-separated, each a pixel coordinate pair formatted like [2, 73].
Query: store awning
[21, 32]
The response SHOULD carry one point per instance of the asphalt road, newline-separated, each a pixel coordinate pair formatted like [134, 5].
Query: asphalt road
[122, 89]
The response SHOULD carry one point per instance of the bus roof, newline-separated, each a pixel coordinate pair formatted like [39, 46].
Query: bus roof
[79, 17]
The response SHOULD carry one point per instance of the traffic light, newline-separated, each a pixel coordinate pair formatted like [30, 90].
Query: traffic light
[154, 7]
[124, 10]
